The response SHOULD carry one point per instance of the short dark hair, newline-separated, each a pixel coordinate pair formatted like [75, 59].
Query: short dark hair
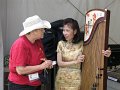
[74, 25]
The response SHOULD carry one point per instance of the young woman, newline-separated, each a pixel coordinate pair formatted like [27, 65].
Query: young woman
[69, 57]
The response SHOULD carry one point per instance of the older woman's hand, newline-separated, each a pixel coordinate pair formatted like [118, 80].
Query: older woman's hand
[47, 63]
[106, 53]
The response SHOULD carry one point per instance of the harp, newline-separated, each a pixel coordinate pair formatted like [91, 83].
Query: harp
[94, 69]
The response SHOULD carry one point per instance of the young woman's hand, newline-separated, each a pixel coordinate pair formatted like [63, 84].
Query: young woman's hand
[80, 59]
[106, 53]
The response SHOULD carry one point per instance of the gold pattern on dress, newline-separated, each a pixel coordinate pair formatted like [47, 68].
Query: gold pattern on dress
[69, 77]
[69, 46]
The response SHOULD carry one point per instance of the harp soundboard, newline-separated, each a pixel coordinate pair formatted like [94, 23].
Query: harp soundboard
[94, 69]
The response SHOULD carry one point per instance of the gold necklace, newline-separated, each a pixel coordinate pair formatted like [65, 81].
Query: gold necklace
[69, 46]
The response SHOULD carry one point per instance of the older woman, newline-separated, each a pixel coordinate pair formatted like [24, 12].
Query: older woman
[27, 55]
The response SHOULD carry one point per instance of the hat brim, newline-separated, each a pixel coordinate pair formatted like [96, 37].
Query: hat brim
[43, 24]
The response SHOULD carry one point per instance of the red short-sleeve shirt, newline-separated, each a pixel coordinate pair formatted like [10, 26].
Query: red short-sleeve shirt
[24, 53]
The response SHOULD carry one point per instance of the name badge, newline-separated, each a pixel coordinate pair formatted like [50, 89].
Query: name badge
[54, 62]
[33, 77]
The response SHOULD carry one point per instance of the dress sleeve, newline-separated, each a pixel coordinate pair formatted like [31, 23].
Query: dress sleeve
[59, 46]
[80, 49]
[81, 45]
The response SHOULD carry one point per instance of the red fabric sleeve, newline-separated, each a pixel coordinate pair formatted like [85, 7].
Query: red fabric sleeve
[18, 56]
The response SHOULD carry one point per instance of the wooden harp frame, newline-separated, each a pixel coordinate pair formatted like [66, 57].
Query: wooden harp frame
[94, 69]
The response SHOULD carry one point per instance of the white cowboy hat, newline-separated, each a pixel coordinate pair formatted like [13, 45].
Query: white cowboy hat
[32, 23]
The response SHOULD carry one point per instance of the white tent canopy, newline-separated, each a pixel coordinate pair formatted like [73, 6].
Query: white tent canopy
[15, 11]
[1, 58]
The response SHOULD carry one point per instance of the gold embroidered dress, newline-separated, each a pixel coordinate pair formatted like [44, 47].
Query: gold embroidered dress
[69, 77]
